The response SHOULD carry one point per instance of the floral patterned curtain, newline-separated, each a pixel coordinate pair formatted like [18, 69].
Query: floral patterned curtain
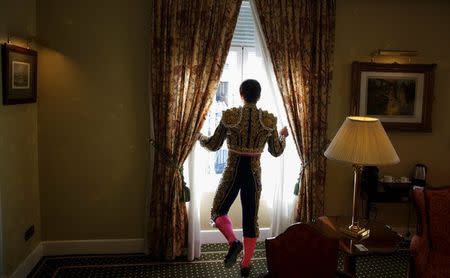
[188, 48]
[300, 38]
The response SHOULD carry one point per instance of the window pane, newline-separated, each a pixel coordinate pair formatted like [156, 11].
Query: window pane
[226, 96]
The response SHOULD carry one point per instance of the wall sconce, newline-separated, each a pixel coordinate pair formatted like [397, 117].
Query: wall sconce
[385, 52]
[24, 42]
[394, 53]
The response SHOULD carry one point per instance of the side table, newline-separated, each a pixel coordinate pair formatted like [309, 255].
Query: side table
[382, 239]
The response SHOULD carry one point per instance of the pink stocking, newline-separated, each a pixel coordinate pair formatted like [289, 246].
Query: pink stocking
[223, 223]
[249, 248]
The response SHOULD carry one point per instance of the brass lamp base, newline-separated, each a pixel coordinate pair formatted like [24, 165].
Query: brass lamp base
[355, 231]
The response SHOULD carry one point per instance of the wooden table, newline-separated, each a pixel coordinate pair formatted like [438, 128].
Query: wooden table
[382, 239]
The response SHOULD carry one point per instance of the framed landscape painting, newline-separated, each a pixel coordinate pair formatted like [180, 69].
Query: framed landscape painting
[19, 74]
[400, 95]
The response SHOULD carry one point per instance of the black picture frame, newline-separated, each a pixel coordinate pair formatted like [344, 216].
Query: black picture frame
[19, 74]
[400, 95]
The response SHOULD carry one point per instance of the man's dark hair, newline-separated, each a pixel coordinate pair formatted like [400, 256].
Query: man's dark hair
[250, 90]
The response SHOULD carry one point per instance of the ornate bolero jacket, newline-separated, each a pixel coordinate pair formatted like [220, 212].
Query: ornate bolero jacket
[247, 129]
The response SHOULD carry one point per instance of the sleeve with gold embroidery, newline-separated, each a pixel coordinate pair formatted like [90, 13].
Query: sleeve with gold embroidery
[214, 142]
[276, 143]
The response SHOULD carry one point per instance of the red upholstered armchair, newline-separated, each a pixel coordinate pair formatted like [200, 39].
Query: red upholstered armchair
[430, 247]
[302, 251]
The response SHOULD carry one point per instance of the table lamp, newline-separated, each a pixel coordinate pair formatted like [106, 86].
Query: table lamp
[361, 141]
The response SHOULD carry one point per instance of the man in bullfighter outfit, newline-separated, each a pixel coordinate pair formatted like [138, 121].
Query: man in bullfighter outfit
[247, 129]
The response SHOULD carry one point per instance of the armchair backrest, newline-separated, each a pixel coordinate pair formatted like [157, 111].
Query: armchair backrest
[433, 205]
[301, 251]
[438, 209]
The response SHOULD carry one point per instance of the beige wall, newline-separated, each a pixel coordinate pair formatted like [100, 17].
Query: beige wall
[19, 186]
[93, 118]
[362, 27]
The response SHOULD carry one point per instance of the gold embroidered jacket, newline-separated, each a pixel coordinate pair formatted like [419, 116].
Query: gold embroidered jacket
[247, 129]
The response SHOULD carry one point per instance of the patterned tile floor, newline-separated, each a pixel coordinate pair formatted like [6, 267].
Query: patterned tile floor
[209, 265]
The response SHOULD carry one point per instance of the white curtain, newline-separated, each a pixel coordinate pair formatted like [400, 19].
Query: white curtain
[191, 176]
[283, 197]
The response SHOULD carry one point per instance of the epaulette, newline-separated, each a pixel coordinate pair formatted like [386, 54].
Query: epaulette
[231, 117]
[268, 120]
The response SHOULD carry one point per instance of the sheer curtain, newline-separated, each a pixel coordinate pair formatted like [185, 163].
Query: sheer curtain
[192, 176]
[284, 199]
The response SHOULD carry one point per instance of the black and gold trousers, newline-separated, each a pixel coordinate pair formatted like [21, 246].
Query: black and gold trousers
[242, 174]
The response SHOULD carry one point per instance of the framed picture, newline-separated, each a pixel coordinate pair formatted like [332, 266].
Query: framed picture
[400, 95]
[19, 74]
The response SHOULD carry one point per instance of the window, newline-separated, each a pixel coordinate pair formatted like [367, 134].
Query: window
[243, 62]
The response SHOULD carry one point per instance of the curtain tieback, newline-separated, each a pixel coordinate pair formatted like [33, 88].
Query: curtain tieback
[186, 196]
[306, 163]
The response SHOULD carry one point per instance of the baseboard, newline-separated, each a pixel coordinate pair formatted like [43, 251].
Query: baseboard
[96, 246]
[74, 247]
[28, 264]
[214, 236]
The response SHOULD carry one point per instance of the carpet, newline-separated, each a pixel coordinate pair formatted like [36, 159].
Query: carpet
[209, 265]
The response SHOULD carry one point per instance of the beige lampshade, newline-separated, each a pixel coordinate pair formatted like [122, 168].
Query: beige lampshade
[362, 141]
